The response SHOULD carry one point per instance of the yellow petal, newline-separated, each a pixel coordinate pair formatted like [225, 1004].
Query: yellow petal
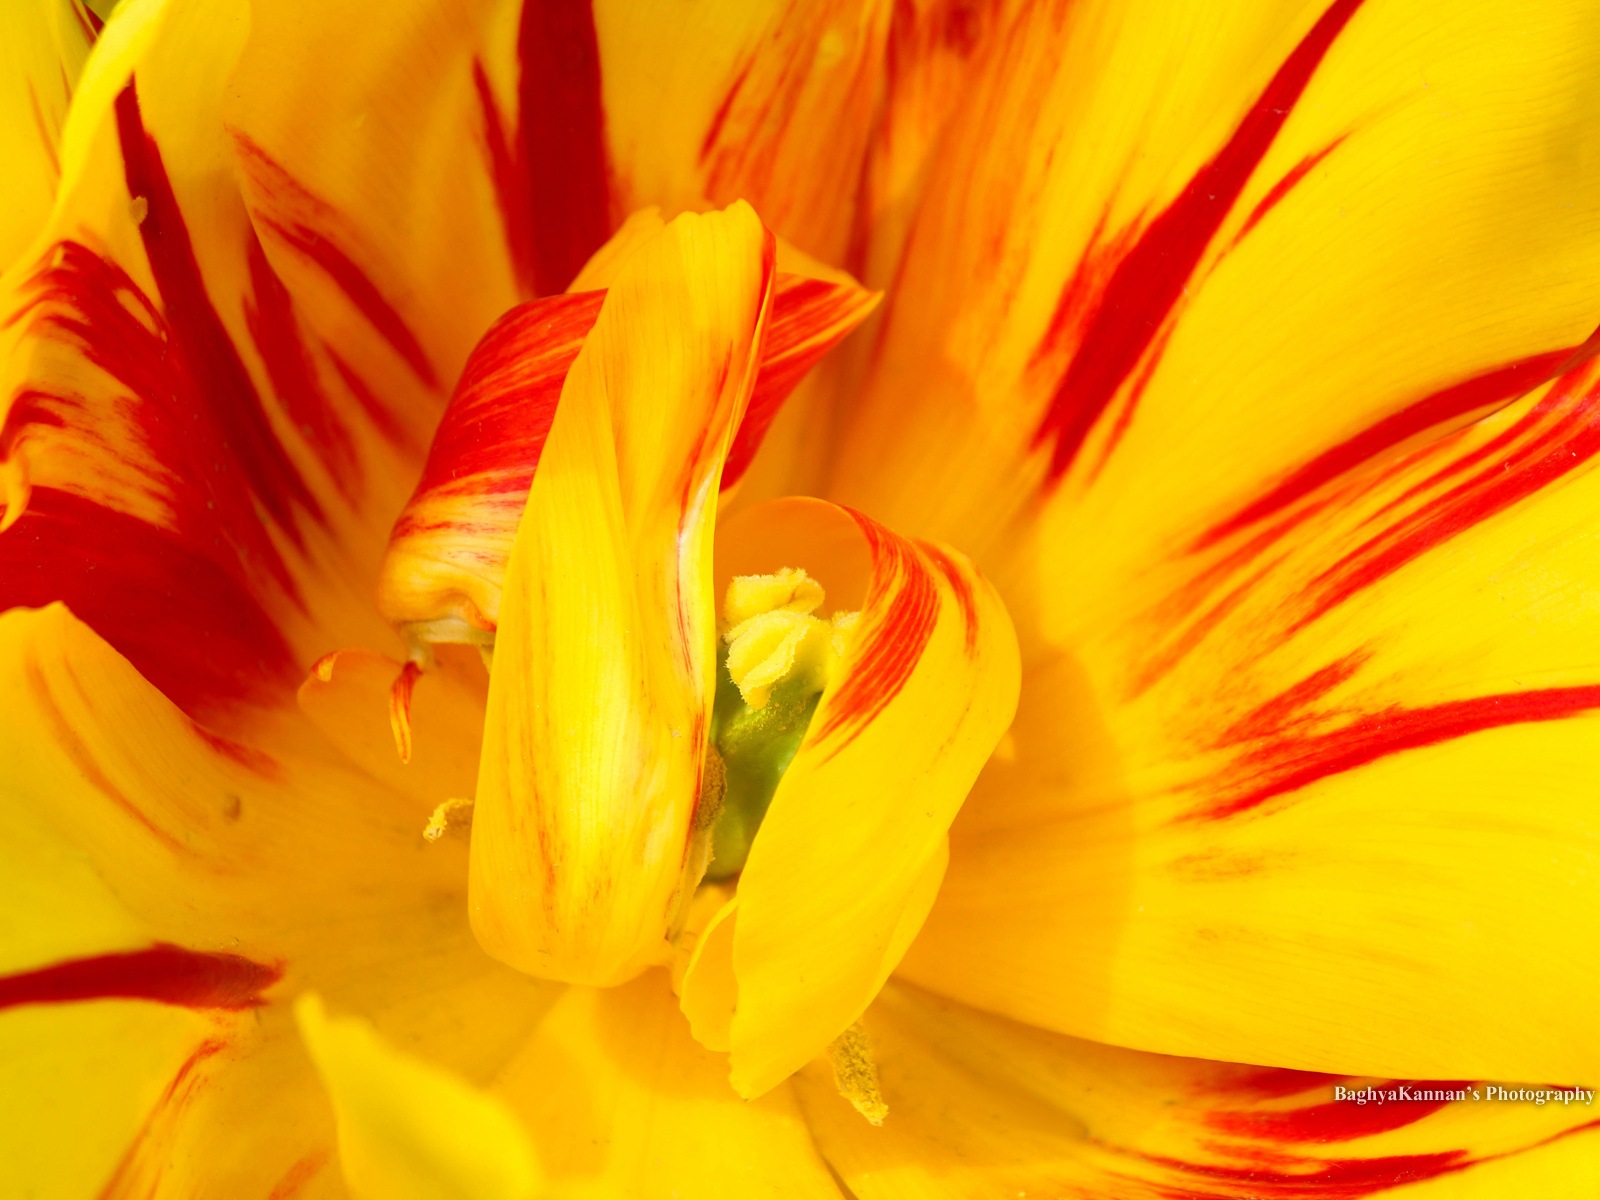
[981, 1107]
[623, 1103]
[124, 824]
[43, 53]
[849, 856]
[1280, 707]
[767, 101]
[1174, 278]
[935, 47]
[600, 696]
[80, 1081]
[407, 1129]
[347, 697]
[144, 856]
[1361, 750]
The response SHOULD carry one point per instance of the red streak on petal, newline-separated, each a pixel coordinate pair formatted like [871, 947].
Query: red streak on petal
[276, 332]
[1562, 434]
[162, 420]
[506, 400]
[1292, 706]
[1454, 403]
[898, 618]
[724, 108]
[1272, 1176]
[809, 318]
[185, 1084]
[205, 350]
[961, 584]
[301, 1173]
[189, 627]
[77, 751]
[1285, 766]
[1286, 185]
[553, 184]
[1148, 283]
[1271, 1083]
[164, 973]
[493, 431]
[92, 25]
[400, 708]
[347, 275]
[1334, 1121]
[257, 761]
[380, 414]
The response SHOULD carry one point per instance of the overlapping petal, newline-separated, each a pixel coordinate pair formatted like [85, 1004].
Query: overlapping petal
[407, 1130]
[447, 554]
[600, 698]
[158, 867]
[1306, 683]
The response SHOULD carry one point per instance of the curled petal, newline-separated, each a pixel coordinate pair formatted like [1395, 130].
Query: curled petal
[850, 854]
[600, 695]
[447, 554]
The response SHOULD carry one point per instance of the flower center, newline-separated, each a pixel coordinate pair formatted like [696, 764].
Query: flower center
[779, 658]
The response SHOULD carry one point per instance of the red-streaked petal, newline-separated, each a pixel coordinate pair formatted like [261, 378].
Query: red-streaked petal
[850, 853]
[982, 1107]
[770, 102]
[1353, 741]
[449, 548]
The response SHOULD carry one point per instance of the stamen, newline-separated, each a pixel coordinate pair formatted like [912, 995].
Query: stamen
[772, 635]
[855, 1073]
[453, 816]
[400, 708]
[780, 659]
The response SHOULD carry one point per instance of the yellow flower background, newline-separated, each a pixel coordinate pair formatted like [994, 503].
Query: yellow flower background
[1192, 410]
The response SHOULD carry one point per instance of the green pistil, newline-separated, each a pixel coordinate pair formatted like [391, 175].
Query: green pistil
[756, 746]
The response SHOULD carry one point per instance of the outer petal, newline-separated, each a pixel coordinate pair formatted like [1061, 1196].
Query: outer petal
[622, 1102]
[151, 860]
[169, 417]
[980, 1107]
[1213, 399]
[1356, 747]
[600, 696]
[44, 49]
[1187, 271]
[851, 851]
[772, 102]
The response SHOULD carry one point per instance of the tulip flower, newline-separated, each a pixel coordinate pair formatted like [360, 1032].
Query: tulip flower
[948, 598]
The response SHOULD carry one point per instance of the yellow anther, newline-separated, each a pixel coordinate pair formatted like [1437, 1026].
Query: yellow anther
[453, 816]
[855, 1074]
[772, 636]
[789, 589]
